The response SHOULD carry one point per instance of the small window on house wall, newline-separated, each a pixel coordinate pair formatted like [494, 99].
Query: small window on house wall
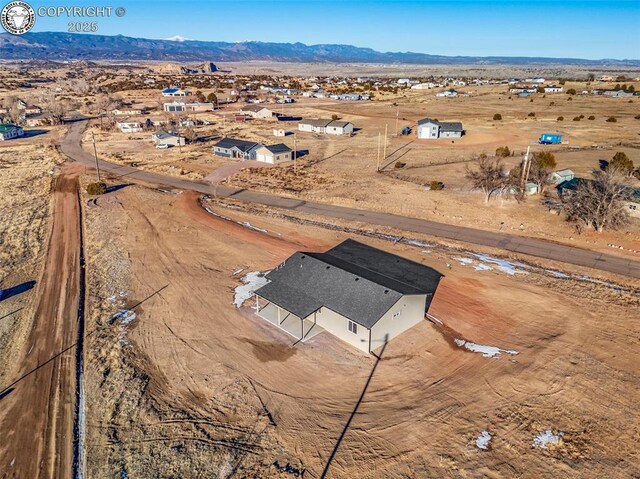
[353, 327]
[395, 315]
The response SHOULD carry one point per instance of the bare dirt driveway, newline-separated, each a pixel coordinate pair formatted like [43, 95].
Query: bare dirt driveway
[37, 411]
[71, 146]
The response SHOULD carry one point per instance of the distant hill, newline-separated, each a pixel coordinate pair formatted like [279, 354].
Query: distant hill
[75, 46]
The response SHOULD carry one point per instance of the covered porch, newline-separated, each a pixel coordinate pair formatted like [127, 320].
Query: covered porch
[301, 329]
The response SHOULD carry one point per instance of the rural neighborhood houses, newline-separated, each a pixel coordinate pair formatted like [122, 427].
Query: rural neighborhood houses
[256, 111]
[167, 138]
[331, 127]
[174, 107]
[360, 294]
[429, 129]
[130, 126]
[274, 154]
[175, 92]
[9, 131]
[236, 149]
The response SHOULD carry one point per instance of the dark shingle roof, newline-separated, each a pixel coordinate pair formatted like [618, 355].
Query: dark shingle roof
[228, 143]
[355, 280]
[278, 148]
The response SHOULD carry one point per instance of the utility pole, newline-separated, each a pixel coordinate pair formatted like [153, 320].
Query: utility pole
[384, 150]
[397, 115]
[526, 165]
[295, 155]
[378, 155]
[95, 153]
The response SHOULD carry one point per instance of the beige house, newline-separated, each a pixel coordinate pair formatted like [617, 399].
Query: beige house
[274, 154]
[362, 295]
[197, 106]
[130, 126]
[330, 127]
[256, 111]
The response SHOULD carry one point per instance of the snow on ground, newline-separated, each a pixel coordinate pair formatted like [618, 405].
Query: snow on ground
[545, 438]
[251, 282]
[487, 351]
[238, 271]
[557, 274]
[246, 224]
[421, 244]
[125, 316]
[509, 267]
[464, 261]
[482, 442]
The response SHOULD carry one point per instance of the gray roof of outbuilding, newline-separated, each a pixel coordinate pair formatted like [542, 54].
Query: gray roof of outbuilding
[355, 280]
[278, 148]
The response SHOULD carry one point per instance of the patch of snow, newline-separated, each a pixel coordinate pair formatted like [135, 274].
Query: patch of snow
[482, 267]
[464, 261]
[125, 316]
[487, 351]
[177, 38]
[602, 283]
[112, 299]
[238, 271]
[419, 243]
[251, 282]
[427, 251]
[547, 437]
[509, 267]
[482, 442]
[246, 224]
[557, 274]
[122, 294]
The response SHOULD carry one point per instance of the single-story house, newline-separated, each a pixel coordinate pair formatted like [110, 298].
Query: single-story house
[232, 148]
[339, 128]
[175, 92]
[559, 176]
[274, 154]
[9, 131]
[174, 106]
[360, 294]
[198, 106]
[127, 112]
[553, 89]
[256, 111]
[313, 126]
[429, 129]
[331, 127]
[130, 126]
[167, 138]
[451, 93]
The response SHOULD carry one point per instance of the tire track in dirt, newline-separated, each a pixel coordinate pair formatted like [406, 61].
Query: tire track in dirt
[38, 417]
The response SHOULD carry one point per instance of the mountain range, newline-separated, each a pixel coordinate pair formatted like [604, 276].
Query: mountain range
[77, 46]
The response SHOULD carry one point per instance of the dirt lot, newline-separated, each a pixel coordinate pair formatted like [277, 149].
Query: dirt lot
[194, 384]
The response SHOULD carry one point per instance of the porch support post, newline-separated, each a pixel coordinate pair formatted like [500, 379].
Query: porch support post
[279, 322]
[257, 305]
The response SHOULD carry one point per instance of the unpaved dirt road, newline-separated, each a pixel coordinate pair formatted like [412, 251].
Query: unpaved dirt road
[71, 146]
[37, 412]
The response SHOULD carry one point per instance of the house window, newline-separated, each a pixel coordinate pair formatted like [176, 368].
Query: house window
[353, 327]
[633, 207]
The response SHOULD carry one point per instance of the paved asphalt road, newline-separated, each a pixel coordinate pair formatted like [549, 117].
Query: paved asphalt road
[71, 147]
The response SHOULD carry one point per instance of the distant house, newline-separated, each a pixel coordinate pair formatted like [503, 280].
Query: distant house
[331, 127]
[423, 86]
[9, 131]
[280, 132]
[553, 89]
[451, 93]
[174, 107]
[256, 111]
[531, 189]
[357, 293]
[559, 176]
[274, 154]
[429, 129]
[127, 112]
[130, 126]
[237, 149]
[175, 92]
[198, 106]
[167, 138]
[349, 97]
[617, 93]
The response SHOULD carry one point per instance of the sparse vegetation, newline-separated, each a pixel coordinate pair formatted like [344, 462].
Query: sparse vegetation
[561, 118]
[489, 176]
[591, 117]
[97, 188]
[436, 185]
[531, 114]
[571, 91]
[621, 163]
[399, 164]
[598, 203]
[497, 117]
[576, 118]
[503, 151]
[611, 119]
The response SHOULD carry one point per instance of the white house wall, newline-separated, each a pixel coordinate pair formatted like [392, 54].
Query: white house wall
[338, 325]
[411, 311]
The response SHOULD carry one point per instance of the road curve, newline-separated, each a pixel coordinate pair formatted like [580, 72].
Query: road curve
[71, 147]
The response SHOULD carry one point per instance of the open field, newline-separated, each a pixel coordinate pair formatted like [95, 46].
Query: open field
[192, 382]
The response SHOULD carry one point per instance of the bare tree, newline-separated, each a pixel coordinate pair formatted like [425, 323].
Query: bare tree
[490, 176]
[13, 114]
[57, 107]
[599, 203]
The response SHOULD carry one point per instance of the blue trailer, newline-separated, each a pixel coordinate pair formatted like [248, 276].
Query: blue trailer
[550, 139]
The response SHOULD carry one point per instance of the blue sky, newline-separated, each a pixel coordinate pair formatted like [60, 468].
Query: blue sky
[587, 29]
